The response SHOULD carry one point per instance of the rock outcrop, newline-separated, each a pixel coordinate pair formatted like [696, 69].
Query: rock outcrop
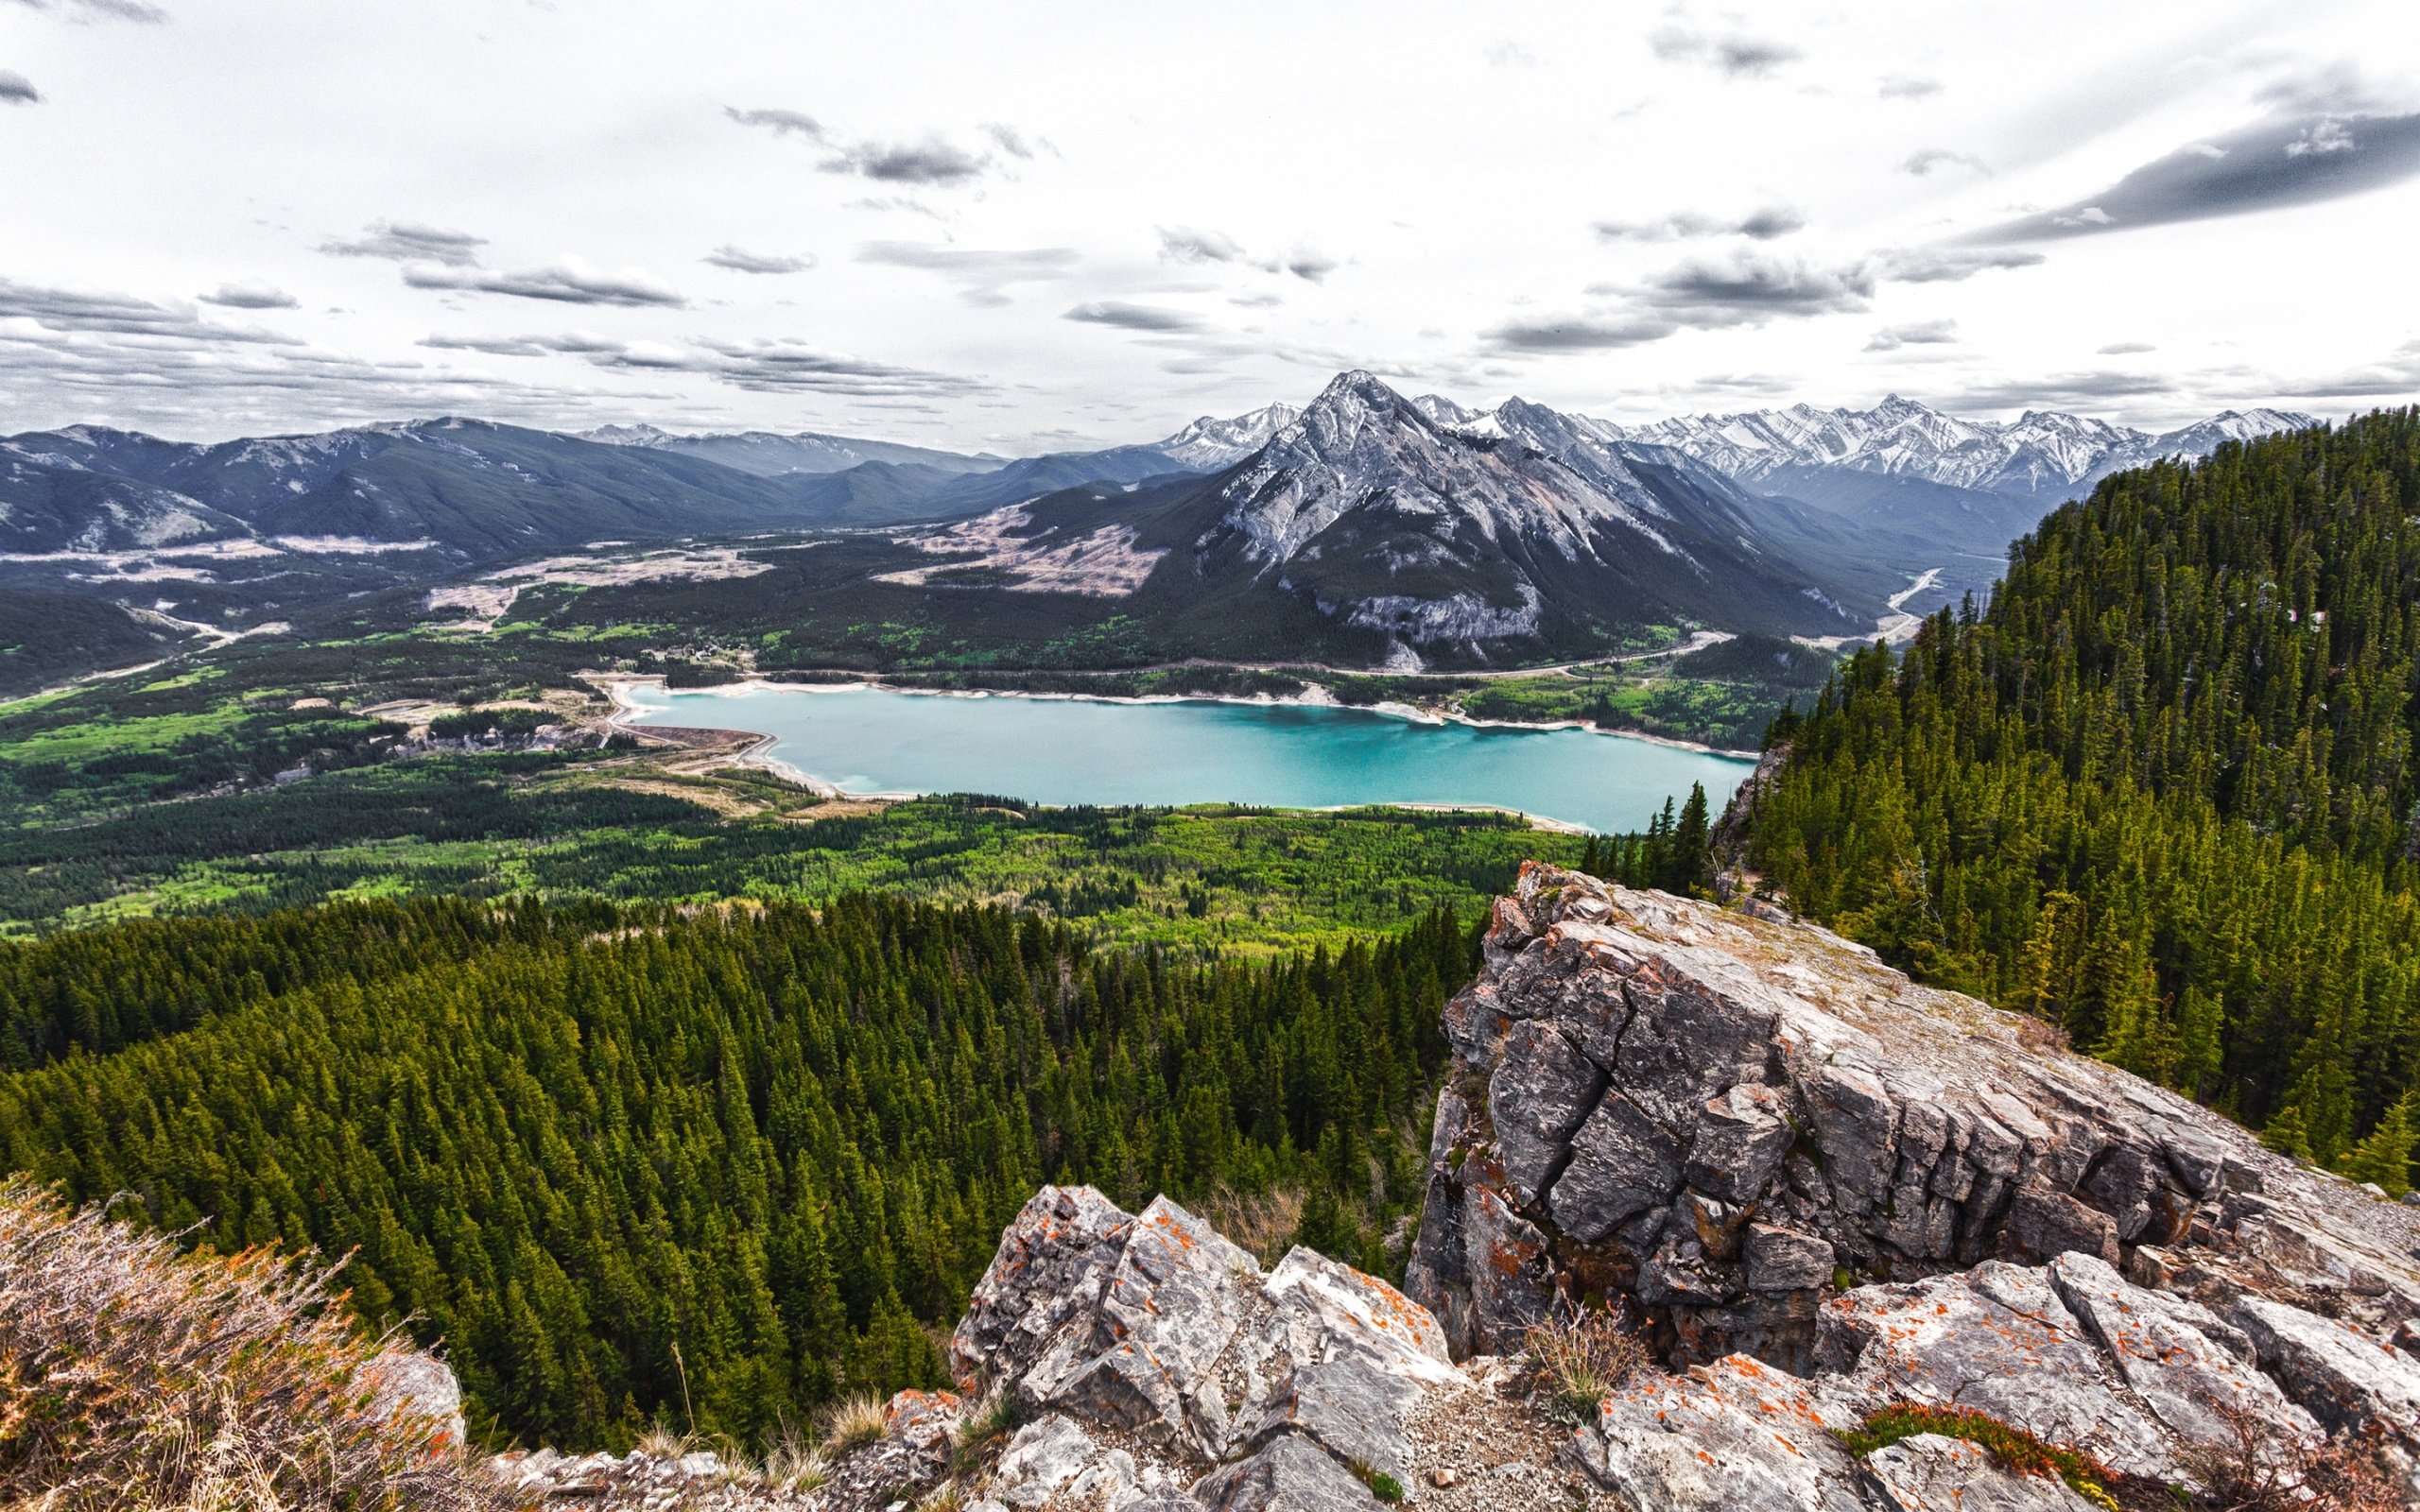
[1823, 1190]
[1150, 1357]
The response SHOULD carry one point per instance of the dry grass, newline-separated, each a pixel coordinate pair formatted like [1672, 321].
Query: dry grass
[1578, 1357]
[2261, 1469]
[855, 1421]
[661, 1441]
[793, 1464]
[133, 1377]
[948, 1497]
[2040, 1033]
[1263, 1225]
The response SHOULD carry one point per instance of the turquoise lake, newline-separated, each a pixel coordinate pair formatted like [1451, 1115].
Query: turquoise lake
[1076, 750]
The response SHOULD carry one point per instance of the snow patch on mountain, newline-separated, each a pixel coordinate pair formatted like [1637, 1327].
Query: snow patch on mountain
[1211, 443]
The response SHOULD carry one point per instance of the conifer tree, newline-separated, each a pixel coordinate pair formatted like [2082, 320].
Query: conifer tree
[2384, 1157]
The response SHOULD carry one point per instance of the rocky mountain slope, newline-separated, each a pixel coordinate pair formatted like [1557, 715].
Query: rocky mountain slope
[1397, 538]
[1879, 1248]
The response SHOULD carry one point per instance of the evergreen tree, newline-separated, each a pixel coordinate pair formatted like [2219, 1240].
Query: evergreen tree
[2286, 1133]
[2384, 1157]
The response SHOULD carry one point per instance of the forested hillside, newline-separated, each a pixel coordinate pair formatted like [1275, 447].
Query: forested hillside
[2162, 791]
[593, 1149]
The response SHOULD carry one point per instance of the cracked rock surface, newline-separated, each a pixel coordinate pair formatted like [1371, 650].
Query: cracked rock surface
[1821, 1189]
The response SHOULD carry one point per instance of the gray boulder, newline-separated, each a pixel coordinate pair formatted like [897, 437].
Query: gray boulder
[1997, 1340]
[1349, 1408]
[1290, 1475]
[2345, 1377]
[1160, 1358]
[1734, 1436]
[2198, 1375]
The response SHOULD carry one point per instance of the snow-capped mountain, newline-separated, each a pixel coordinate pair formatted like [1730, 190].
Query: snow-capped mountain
[2042, 452]
[1363, 529]
[2204, 437]
[1211, 443]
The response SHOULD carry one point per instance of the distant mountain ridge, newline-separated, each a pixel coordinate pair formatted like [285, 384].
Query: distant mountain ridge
[474, 489]
[2042, 454]
[771, 453]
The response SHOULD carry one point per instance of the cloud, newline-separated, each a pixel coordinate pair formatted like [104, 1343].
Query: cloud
[2268, 165]
[1756, 284]
[78, 354]
[1749, 286]
[1948, 265]
[1312, 266]
[933, 160]
[2065, 390]
[1011, 141]
[983, 274]
[780, 365]
[16, 89]
[1737, 55]
[1579, 332]
[1907, 87]
[1920, 333]
[577, 343]
[740, 261]
[2125, 349]
[406, 241]
[1762, 225]
[570, 281]
[1132, 317]
[1506, 53]
[251, 293]
[1927, 160]
[781, 123]
[2394, 377]
[762, 366]
[1181, 244]
[90, 10]
[88, 312]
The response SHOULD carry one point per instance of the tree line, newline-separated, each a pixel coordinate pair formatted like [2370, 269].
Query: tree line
[605, 1152]
[2161, 791]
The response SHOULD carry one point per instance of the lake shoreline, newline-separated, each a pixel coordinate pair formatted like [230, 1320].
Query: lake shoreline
[757, 753]
[1315, 696]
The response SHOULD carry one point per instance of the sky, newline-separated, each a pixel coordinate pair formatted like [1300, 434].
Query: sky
[1052, 225]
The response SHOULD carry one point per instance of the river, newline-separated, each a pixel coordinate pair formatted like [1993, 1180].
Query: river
[1064, 751]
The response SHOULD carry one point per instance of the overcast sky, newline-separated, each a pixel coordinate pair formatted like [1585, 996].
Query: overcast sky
[1029, 226]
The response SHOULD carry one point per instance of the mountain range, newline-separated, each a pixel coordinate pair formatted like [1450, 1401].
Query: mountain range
[2041, 454]
[1397, 529]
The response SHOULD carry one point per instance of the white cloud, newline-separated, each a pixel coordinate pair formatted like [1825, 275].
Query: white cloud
[1613, 210]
